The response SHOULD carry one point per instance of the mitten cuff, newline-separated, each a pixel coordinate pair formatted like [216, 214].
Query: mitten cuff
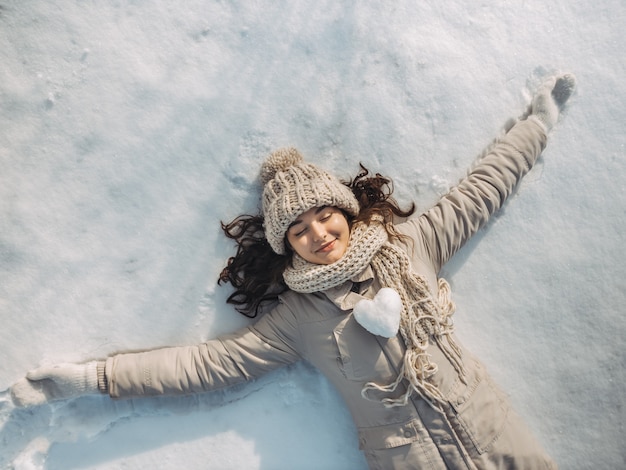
[103, 383]
[538, 120]
[91, 378]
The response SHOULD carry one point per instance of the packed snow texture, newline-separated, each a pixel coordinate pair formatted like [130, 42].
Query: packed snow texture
[130, 128]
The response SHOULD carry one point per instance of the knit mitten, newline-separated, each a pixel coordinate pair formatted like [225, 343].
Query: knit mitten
[550, 99]
[55, 383]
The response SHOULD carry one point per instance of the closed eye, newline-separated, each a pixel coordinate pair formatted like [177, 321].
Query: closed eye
[296, 231]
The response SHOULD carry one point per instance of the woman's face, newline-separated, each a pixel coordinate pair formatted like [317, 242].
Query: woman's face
[320, 235]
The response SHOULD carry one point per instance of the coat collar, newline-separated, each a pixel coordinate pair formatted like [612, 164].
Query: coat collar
[346, 295]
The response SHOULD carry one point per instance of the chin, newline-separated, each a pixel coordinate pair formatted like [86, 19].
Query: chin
[334, 257]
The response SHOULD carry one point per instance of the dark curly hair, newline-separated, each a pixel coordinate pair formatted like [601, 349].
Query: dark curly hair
[256, 272]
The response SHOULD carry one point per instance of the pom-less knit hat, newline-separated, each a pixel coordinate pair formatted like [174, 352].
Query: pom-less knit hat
[291, 186]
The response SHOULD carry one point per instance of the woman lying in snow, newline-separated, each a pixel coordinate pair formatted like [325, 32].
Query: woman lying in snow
[359, 298]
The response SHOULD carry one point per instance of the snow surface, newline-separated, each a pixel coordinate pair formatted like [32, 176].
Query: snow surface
[130, 128]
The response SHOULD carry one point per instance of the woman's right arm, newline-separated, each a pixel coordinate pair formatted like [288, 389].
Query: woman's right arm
[222, 362]
[230, 359]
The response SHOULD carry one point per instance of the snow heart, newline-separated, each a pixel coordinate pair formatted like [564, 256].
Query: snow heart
[380, 316]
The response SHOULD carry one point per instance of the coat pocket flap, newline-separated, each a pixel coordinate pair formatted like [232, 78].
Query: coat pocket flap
[389, 435]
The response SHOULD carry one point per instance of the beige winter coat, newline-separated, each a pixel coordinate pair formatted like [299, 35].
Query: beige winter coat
[477, 429]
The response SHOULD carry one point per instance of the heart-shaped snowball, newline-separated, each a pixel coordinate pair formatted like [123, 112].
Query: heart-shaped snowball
[380, 316]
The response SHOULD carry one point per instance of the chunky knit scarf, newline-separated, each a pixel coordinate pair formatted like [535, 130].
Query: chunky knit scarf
[422, 317]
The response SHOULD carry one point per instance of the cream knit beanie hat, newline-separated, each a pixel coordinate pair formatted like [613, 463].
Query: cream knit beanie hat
[291, 186]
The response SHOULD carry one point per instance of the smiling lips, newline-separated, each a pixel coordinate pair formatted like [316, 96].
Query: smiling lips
[326, 247]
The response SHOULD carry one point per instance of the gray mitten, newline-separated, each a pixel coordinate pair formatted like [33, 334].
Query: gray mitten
[550, 99]
[55, 383]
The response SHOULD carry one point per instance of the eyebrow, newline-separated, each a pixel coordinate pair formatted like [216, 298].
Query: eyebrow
[298, 221]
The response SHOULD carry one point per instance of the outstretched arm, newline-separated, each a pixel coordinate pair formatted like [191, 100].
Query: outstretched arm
[231, 359]
[458, 215]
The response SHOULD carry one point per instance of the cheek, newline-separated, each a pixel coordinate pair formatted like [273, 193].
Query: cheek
[296, 244]
[338, 223]
[343, 229]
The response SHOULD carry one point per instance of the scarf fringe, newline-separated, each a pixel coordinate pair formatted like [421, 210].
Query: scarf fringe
[422, 318]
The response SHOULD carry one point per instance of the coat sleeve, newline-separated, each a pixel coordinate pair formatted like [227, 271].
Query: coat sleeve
[225, 361]
[458, 215]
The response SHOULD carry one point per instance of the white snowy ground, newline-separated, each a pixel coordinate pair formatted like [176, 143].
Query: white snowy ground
[129, 129]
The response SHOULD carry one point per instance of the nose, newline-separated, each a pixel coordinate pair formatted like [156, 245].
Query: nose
[319, 231]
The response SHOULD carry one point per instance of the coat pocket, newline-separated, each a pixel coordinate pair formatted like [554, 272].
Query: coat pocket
[391, 435]
[481, 411]
[361, 356]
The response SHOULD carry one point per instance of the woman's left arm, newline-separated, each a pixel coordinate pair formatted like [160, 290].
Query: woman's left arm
[458, 215]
